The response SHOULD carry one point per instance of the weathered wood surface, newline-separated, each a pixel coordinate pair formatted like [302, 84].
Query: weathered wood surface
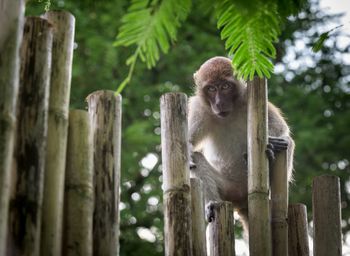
[79, 187]
[176, 181]
[298, 241]
[221, 230]
[326, 210]
[62, 55]
[11, 20]
[258, 173]
[279, 199]
[198, 218]
[30, 147]
[105, 113]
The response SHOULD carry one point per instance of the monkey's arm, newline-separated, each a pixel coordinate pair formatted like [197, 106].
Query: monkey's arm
[196, 122]
[202, 170]
[208, 175]
[279, 136]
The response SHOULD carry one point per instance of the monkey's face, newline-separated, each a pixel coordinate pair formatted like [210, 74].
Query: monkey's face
[220, 95]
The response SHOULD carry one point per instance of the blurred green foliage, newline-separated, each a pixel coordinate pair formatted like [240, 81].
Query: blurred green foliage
[249, 29]
[311, 89]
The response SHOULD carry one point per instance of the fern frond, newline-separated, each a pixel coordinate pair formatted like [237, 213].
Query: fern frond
[151, 25]
[249, 39]
[290, 7]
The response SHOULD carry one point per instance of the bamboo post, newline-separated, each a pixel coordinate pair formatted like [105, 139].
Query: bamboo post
[298, 242]
[62, 55]
[221, 230]
[258, 173]
[198, 220]
[279, 212]
[327, 216]
[11, 20]
[30, 146]
[105, 113]
[79, 191]
[176, 180]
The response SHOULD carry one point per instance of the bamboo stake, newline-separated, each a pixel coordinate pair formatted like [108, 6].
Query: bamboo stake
[198, 220]
[279, 198]
[176, 181]
[62, 54]
[11, 20]
[327, 216]
[79, 192]
[258, 174]
[221, 230]
[298, 243]
[29, 162]
[105, 114]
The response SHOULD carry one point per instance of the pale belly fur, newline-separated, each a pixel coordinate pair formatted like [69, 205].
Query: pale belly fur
[224, 150]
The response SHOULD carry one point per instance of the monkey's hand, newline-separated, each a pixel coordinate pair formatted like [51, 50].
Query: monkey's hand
[274, 146]
[209, 211]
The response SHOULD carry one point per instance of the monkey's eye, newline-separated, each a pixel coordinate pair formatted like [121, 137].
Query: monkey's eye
[211, 88]
[225, 86]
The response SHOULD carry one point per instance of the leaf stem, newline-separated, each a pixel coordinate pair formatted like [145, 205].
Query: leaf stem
[131, 71]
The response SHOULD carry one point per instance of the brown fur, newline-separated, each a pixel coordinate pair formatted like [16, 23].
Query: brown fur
[220, 143]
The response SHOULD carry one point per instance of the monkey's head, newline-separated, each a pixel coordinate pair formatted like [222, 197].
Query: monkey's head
[217, 86]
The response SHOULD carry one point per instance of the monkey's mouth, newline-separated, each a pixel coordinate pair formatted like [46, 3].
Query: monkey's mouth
[223, 114]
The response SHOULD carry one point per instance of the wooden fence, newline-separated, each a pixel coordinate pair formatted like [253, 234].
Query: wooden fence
[274, 228]
[59, 168]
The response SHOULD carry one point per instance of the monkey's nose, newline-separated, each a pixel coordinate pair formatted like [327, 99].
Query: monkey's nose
[223, 113]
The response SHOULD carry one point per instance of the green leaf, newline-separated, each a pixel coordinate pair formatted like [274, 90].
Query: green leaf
[319, 43]
[323, 37]
[249, 39]
[151, 26]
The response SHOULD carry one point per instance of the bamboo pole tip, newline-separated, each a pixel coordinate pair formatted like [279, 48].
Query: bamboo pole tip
[77, 112]
[173, 101]
[297, 205]
[173, 96]
[59, 14]
[104, 94]
[36, 19]
[326, 177]
[257, 80]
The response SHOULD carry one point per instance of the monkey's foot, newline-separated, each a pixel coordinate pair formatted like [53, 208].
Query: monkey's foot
[209, 211]
[192, 166]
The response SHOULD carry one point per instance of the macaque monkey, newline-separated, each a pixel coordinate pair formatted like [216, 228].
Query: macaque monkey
[218, 135]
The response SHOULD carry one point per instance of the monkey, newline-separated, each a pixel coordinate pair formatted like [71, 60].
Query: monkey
[217, 123]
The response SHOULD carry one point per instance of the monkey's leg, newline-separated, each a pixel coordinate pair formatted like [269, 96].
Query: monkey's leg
[201, 168]
[243, 214]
